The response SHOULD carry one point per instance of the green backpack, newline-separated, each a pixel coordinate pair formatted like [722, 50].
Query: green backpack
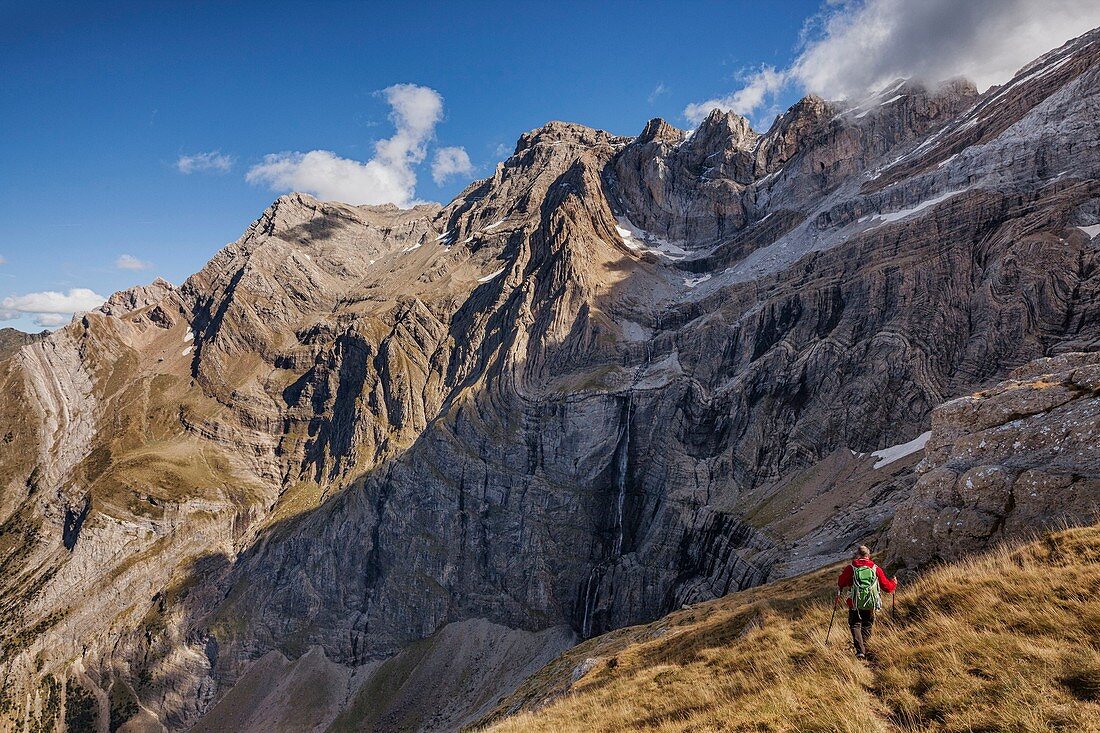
[865, 591]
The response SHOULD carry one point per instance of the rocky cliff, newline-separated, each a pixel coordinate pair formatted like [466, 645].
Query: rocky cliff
[367, 455]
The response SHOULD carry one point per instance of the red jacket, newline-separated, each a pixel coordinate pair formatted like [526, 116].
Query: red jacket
[845, 579]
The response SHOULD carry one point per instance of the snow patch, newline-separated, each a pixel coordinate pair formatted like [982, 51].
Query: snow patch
[770, 176]
[446, 239]
[896, 452]
[1092, 230]
[893, 87]
[904, 213]
[691, 282]
[495, 224]
[187, 350]
[189, 337]
[640, 240]
[872, 108]
[945, 161]
[487, 278]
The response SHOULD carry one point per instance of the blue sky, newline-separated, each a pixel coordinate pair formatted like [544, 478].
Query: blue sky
[99, 102]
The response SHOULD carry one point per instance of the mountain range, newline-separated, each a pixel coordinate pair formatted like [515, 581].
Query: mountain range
[372, 468]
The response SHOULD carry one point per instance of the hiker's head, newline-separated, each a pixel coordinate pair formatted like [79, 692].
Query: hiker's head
[863, 552]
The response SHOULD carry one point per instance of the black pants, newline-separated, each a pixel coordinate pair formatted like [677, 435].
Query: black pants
[860, 622]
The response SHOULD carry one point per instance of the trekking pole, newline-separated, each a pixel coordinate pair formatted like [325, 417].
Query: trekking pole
[836, 602]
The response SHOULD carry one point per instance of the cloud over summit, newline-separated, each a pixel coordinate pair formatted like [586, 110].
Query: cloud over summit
[855, 46]
[389, 176]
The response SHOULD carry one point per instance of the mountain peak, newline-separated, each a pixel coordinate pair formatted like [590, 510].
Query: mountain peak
[570, 133]
[137, 297]
[661, 131]
[721, 124]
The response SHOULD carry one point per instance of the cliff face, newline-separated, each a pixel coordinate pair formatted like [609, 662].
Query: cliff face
[364, 449]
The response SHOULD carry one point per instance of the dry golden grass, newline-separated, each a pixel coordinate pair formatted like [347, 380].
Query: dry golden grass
[1006, 642]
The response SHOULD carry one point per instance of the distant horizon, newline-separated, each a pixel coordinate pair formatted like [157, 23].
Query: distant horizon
[144, 137]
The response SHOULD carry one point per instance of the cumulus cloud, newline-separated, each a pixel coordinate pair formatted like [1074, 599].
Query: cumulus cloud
[760, 85]
[213, 161]
[388, 177]
[450, 162]
[50, 320]
[855, 46]
[129, 262]
[76, 300]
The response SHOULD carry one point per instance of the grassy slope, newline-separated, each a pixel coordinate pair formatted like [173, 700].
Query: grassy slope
[1008, 641]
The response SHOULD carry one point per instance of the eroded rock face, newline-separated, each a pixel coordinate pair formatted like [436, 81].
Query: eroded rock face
[1006, 462]
[617, 376]
[11, 340]
[139, 298]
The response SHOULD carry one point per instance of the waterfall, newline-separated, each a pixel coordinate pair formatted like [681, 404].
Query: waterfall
[590, 599]
[596, 575]
[620, 485]
[621, 466]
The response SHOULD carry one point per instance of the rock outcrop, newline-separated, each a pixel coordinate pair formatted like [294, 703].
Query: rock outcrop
[364, 450]
[1006, 462]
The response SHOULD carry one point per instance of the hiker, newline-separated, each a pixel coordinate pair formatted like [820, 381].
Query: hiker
[866, 581]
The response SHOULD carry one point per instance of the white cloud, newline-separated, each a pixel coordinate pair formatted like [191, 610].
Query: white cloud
[50, 320]
[328, 176]
[9, 315]
[657, 92]
[450, 162]
[129, 262]
[388, 177]
[746, 100]
[201, 162]
[50, 301]
[855, 46]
